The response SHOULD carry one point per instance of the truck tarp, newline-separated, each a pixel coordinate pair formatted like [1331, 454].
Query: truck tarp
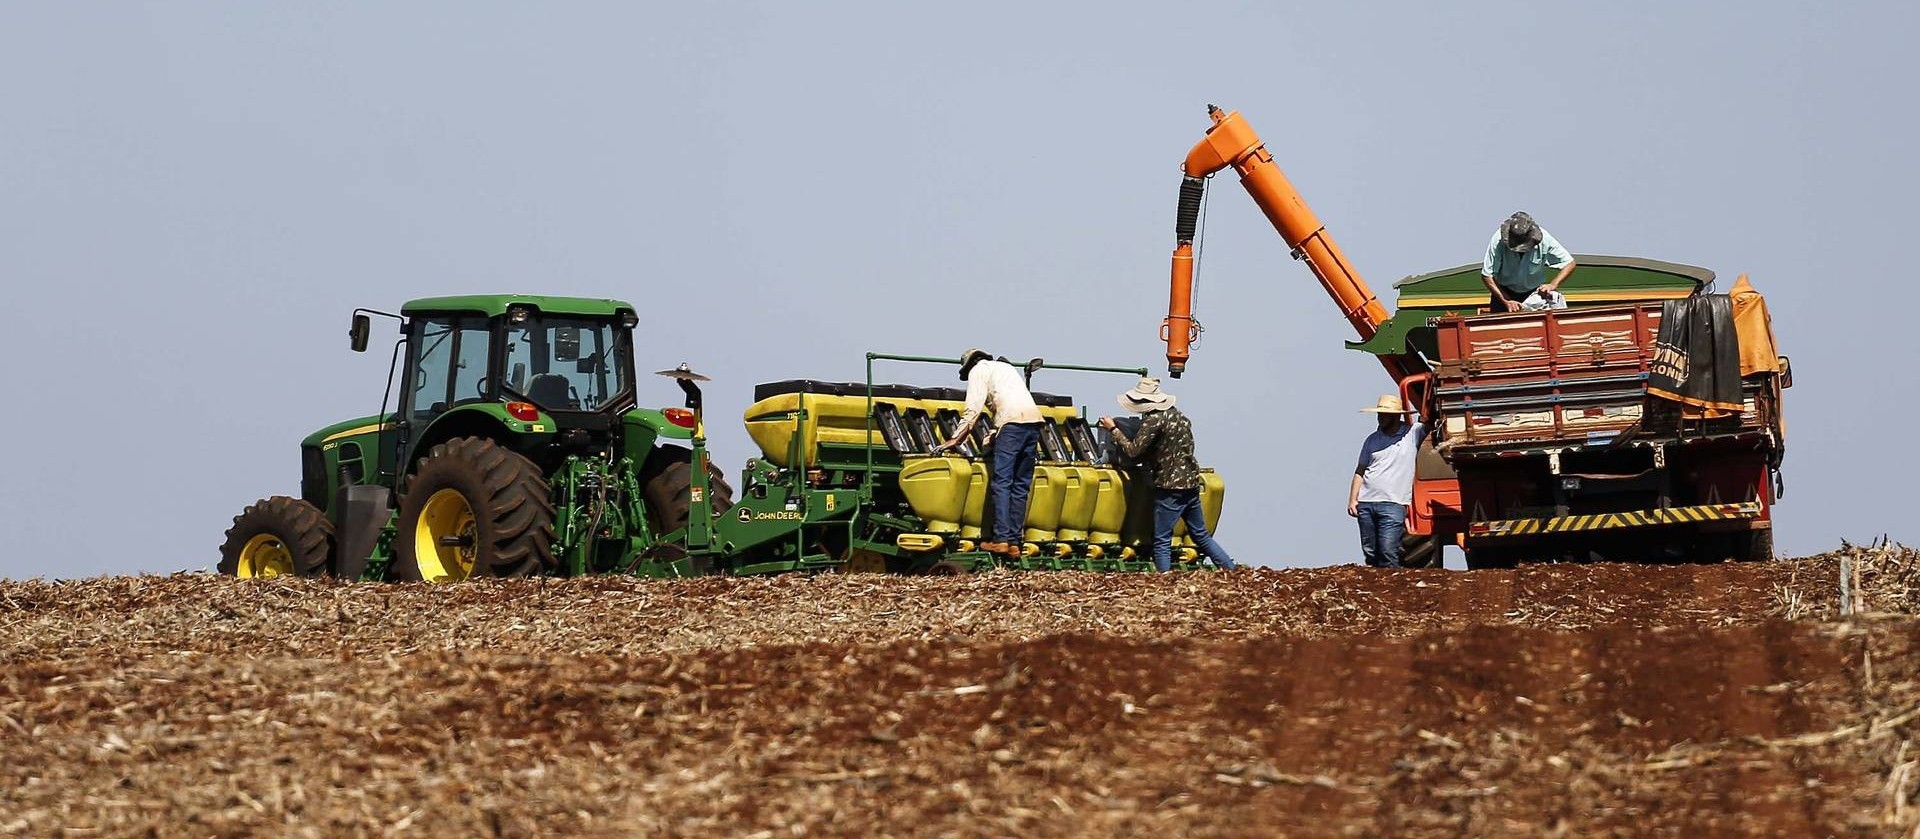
[1696, 359]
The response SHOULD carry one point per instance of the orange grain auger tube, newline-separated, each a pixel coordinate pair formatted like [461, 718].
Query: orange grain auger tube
[1231, 142]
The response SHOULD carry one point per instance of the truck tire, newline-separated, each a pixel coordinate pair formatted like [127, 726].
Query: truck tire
[473, 509]
[278, 536]
[666, 481]
[1753, 545]
[1478, 558]
[1420, 552]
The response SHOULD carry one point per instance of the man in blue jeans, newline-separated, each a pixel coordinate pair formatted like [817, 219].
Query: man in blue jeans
[998, 386]
[1383, 483]
[1167, 436]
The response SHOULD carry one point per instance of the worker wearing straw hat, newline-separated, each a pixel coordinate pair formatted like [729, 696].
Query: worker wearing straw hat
[1167, 435]
[1383, 482]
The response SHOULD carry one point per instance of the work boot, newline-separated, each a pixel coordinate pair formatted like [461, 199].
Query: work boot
[999, 548]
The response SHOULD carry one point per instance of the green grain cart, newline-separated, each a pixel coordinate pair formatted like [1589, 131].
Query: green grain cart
[518, 448]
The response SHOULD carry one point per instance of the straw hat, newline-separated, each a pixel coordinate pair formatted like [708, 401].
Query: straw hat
[1386, 405]
[1145, 396]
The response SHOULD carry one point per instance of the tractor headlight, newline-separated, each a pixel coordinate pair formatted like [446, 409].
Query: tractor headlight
[518, 314]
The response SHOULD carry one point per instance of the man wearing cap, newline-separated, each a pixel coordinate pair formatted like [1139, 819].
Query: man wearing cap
[1517, 261]
[1382, 486]
[998, 386]
[1167, 435]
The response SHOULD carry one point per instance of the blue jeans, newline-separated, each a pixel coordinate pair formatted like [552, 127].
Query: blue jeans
[1172, 505]
[1382, 525]
[1014, 455]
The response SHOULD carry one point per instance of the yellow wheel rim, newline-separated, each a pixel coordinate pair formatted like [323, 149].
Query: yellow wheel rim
[264, 556]
[446, 541]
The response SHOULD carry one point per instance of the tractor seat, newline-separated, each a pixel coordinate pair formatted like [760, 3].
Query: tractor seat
[551, 391]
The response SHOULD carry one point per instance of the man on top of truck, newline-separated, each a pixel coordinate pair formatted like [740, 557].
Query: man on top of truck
[999, 385]
[1382, 487]
[1517, 261]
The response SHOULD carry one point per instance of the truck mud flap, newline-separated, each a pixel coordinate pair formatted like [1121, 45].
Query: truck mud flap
[1615, 521]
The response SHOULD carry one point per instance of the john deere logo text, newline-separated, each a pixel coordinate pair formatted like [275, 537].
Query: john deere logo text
[778, 515]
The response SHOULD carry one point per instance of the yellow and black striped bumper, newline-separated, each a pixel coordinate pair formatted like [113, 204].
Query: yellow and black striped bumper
[1614, 521]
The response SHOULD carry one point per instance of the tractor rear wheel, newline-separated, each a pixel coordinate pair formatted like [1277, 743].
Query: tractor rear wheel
[474, 509]
[278, 536]
[666, 484]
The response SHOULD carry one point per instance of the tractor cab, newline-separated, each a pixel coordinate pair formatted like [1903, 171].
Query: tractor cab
[561, 356]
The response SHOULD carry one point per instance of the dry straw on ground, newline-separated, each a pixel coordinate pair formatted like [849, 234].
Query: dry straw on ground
[1575, 701]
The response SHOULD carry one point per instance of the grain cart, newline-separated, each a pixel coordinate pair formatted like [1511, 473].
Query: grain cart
[1568, 434]
[518, 448]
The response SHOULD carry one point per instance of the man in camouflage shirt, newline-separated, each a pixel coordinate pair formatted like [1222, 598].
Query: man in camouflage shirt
[1167, 435]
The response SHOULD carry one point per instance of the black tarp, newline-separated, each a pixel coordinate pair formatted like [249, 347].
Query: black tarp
[1696, 358]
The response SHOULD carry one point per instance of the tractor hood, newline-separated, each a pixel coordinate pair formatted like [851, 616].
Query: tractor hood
[344, 429]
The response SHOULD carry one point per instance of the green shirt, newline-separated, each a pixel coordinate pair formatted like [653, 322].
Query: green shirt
[1168, 434]
[1518, 274]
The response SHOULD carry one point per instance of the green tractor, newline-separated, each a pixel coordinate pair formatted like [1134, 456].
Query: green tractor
[518, 448]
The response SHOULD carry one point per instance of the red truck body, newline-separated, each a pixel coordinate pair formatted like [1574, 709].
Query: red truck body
[1546, 425]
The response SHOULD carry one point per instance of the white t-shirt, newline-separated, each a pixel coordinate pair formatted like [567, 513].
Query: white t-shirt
[1386, 464]
[997, 385]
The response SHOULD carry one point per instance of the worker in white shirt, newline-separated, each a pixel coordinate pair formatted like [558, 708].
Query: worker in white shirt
[999, 387]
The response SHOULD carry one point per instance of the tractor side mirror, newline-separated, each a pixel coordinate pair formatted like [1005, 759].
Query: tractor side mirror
[566, 343]
[362, 325]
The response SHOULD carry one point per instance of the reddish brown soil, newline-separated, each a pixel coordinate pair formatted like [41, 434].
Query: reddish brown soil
[1721, 700]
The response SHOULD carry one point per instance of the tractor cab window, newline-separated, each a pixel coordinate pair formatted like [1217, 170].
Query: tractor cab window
[449, 364]
[565, 364]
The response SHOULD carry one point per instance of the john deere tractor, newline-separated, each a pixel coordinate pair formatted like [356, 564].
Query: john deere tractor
[518, 448]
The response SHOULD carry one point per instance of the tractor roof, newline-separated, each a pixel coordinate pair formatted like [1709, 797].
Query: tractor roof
[496, 304]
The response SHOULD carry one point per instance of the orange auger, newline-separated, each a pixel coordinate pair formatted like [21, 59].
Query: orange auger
[1231, 142]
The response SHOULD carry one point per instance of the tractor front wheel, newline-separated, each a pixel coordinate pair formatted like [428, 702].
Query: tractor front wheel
[278, 536]
[473, 509]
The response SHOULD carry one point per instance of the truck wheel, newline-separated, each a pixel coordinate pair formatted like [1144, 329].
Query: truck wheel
[666, 483]
[278, 536]
[1419, 552]
[1478, 558]
[1753, 546]
[474, 509]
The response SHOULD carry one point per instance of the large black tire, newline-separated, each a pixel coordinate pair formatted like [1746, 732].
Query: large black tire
[276, 536]
[666, 484]
[1479, 558]
[507, 523]
[1419, 552]
[1753, 545]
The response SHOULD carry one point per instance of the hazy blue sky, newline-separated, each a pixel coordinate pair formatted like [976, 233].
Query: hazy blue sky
[193, 196]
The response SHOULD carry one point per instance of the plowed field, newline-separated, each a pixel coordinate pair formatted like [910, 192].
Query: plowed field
[1719, 700]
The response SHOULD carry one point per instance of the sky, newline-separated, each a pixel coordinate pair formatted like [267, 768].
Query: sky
[193, 197]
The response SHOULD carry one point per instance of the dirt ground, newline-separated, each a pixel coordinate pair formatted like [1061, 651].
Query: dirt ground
[1716, 700]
